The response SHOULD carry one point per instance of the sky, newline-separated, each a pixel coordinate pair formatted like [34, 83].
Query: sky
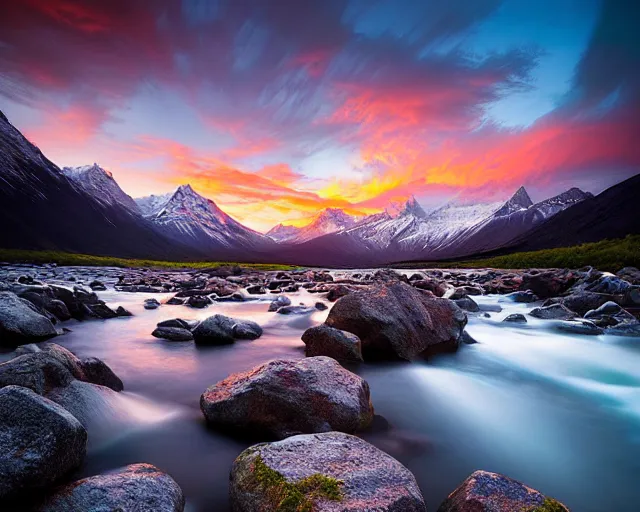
[277, 109]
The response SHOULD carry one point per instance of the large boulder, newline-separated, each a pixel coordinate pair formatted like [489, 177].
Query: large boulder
[173, 333]
[395, 320]
[548, 283]
[323, 340]
[322, 472]
[55, 367]
[40, 442]
[223, 330]
[491, 492]
[581, 302]
[21, 323]
[553, 312]
[286, 397]
[138, 487]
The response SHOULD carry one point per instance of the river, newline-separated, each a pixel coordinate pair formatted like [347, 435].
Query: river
[559, 412]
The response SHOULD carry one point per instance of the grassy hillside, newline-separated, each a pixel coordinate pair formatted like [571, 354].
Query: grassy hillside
[64, 258]
[607, 255]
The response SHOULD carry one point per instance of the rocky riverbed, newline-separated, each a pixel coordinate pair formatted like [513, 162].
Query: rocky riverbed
[459, 385]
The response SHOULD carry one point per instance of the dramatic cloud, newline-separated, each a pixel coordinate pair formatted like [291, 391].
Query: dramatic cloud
[278, 109]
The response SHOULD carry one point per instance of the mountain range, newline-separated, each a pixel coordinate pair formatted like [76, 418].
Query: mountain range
[83, 209]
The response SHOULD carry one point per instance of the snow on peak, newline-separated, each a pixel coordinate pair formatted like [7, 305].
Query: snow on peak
[518, 202]
[412, 207]
[187, 212]
[282, 233]
[100, 184]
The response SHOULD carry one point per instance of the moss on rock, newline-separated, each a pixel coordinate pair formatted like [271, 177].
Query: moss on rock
[295, 496]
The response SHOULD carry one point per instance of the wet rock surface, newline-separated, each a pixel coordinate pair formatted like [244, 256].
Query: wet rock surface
[286, 397]
[40, 442]
[325, 472]
[138, 487]
[396, 320]
[491, 492]
[323, 340]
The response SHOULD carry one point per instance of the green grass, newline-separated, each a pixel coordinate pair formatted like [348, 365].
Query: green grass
[72, 259]
[297, 496]
[606, 255]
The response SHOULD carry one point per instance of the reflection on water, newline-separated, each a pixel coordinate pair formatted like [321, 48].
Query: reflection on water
[560, 412]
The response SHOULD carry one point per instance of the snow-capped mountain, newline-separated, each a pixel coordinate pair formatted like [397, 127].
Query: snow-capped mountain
[100, 184]
[188, 216]
[41, 208]
[453, 230]
[282, 233]
[330, 220]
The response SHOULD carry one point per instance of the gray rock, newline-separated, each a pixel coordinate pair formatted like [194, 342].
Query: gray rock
[199, 301]
[151, 304]
[285, 397]
[40, 442]
[553, 312]
[173, 333]
[215, 330]
[138, 487]
[516, 318]
[579, 326]
[175, 322]
[612, 285]
[467, 339]
[526, 296]
[630, 330]
[321, 306]
[246, 330]
[120, 311]
[492, 492]
[278, 302]
[467, 304]
[397, 321]
[323, 340]
[96, 371]
[296, 310]
[582, 302]
[361, 477]
[55, 367]
[21, 323]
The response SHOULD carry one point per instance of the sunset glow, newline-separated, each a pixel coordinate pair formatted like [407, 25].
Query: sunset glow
[277, 110]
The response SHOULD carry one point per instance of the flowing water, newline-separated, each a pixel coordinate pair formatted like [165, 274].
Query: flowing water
[559, 412]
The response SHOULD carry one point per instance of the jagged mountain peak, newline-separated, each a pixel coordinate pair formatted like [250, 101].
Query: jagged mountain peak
[100, 184]
[412, 207]
[518, 201]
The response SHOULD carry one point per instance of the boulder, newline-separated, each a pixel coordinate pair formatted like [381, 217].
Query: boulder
[246, 330]
[96, 371]
[120, 311]
[548, 283]
[223, 330]
[286, 397]
[173, 333]
[337, 291]
[97, 286]
[323, 340]
[21, 323]
[55, 367]
[138, 487]
[553, 312]
[322, 472]
[198, 301]
[438, 288]
[321, 306]
[612, 285]
[40, 443]
[610, 314]
[462, 292]
[579, 326]
[278, 302]
[467, 339]
[491, 492]
[525, 296]
[296, 310]
[467, 304]
[397, 321]
[151, 304]
[175, 322]
[581, 302]
[175, 301]
[516, 318]
[630, 274]
[215, 330]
